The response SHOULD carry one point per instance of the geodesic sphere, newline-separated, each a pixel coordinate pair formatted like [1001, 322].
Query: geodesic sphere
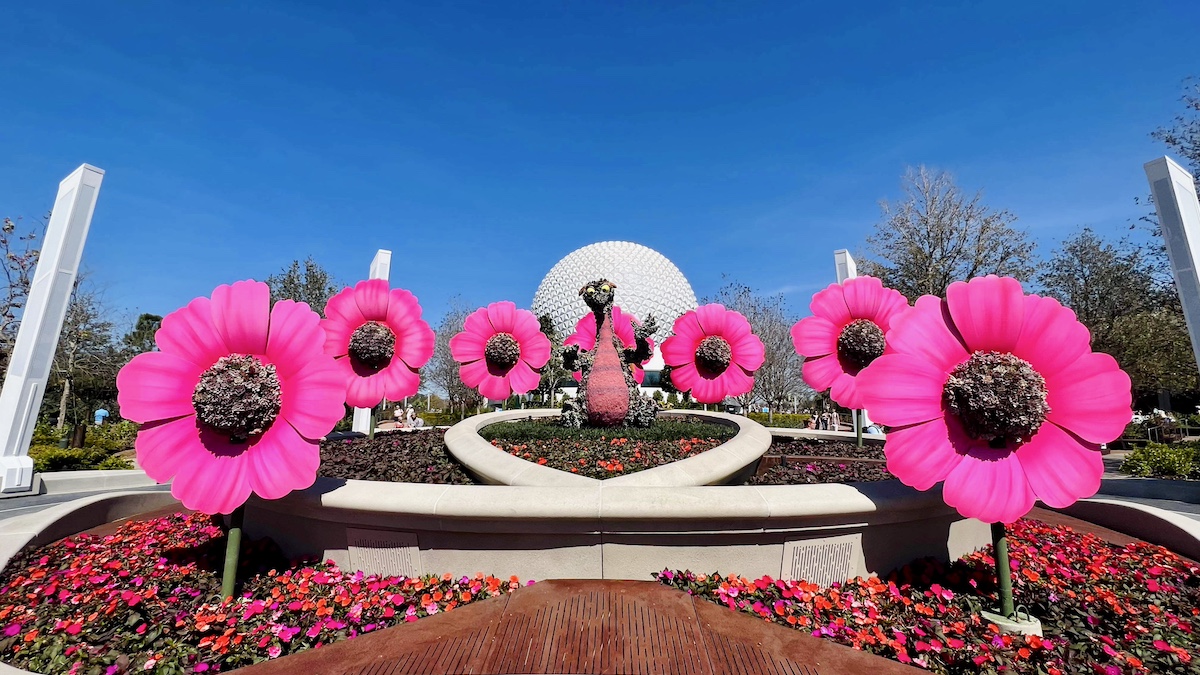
[647, 283]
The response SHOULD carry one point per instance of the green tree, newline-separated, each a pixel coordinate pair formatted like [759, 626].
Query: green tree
[1118, 289]
[936, 235]
[18, 260]
[87, 360]
[140, 338]
[442, 370]
[306, 282]
[553, 373]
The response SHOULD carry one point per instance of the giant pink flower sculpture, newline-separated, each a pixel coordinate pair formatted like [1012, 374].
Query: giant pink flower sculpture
[500, 350]
[379, 340]
[713, 353]
[999, 395]
[585, 337]
[845, 334]
[235, 401]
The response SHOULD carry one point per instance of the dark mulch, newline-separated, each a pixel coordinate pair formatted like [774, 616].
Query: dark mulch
[801, 472]
[398, 457]
[604, 453]
[808, 447]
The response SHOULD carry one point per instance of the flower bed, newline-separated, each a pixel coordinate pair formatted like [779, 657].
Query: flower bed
[604, 453]
[144, 599]
[400, 457]
[1104, 609]
[811, 447]
[802, 472]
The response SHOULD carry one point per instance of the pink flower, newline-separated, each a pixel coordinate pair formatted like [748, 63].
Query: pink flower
[379, 340]
[845, 334]
[999, 395]
[585, 337]
[713, 354]
[235, 401]
[500, 350]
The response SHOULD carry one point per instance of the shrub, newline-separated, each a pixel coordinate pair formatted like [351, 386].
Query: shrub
[46, 434]
[1163, 461]
[114, 463]
[784, 420]
[112, 437]
[48, 458]
[547, 429]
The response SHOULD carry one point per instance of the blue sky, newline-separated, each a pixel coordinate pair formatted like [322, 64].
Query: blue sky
[482, 142]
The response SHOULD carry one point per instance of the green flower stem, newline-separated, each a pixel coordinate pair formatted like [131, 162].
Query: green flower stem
[858, 425]
[233, 547]
[371, 425]
[1003, 569]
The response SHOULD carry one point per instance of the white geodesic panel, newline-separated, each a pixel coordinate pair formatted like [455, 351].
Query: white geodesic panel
[647, 283]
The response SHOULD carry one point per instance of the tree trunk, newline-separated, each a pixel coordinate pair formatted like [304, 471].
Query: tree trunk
[62, 404]
[770, 414]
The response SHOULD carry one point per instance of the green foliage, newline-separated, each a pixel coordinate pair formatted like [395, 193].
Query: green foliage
[112, 437]
[1159, 460]
[548, 429]
[784, 420]
[306, 282]
[46, 434]
[140, 338]
[114, 463]
[48, 458]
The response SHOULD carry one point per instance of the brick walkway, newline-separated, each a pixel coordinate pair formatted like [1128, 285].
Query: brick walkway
[601, 627]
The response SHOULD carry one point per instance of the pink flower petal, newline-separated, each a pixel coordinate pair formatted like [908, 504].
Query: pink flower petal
[1091, 398]
[585, 333]
[815, 336]
[473, 374]
[241, 313]
[343, 310]
[992, 490]
[157, 386]
[337, 337]
[820, 373]
[371, 296]
[477, 324]
[678, 350]
[830, 304]
[735, 381]
[312, 397]
[988, 312]
[921, 455]
[623, 327]
[1051, 338]
[523, 379]
[899, 390]
[495, 387]
[399, 381]
[213, 482]
[639, 375]
[925, 332]
[844, 392]
[863, 296]
[162, 447]
[1059, 467]
[189, 333]
[535, 350]
[415, 342]
[705, 390]
[295, 337]
[282, 461]
[712, 318]
[361, 392]
[747, 350]
[467, 346]
[503, 316]
[526, 326]
[684, 377]
[402, 307]
[687, 329]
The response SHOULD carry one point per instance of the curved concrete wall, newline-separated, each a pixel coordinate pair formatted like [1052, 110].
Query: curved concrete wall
[826, 532]
[723, 464]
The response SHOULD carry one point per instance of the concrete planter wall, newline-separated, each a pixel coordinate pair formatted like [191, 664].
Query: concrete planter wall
[824, 533]
[729, 462]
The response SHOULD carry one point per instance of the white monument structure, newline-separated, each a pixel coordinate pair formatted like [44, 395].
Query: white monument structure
[41, 322]
[1174, 191]
[381, 268]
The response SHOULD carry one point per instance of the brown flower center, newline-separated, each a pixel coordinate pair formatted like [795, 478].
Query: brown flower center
[860, 343]
[713, 356]
[238, 396]
[998, 397]
[373, 345]
[502, 350]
